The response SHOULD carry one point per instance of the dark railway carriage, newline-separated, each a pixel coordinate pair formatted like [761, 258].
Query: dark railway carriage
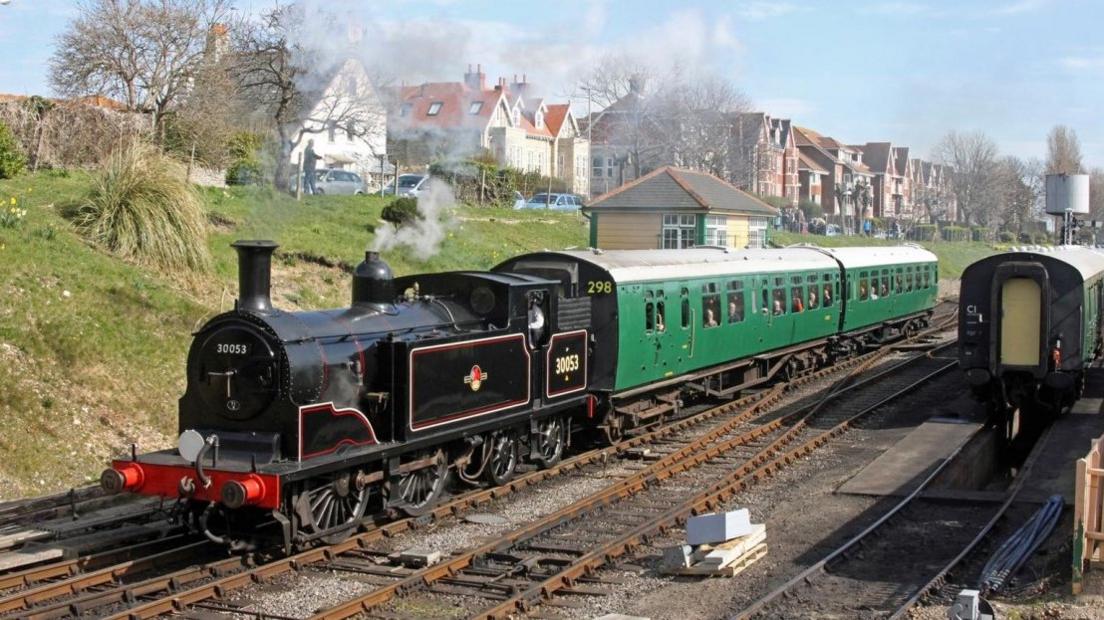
[1029, 325]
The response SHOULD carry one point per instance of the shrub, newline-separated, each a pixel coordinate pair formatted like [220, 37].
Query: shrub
[401, 211]
[923, 232]
[141, 207]
[245, 164]
[811, 209]
[1005, 237]
[12, 159]
[956, 233]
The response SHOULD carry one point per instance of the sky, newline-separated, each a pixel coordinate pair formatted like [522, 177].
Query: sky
[859, 70]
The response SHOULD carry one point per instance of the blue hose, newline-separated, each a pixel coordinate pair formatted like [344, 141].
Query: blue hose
[1020, 546]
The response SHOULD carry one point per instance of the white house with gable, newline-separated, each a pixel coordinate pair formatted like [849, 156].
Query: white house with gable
[348, 123]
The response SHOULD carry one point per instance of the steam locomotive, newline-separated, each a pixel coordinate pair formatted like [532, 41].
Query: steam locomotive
[306, 422]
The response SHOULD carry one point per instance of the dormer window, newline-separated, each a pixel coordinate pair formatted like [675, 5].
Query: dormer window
[434, 108]
[475, 108]
[539, 119]
[516, 116]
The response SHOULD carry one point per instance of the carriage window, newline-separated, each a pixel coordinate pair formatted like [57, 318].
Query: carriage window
[908, 280]
[899, 282]
[736, 307]
[649, 316]
[660, 324]
[685, 312]
[883, 288]
[826, 295]
[766, 300]
[927, 278]
[797, 299]
[778, 305]
[711, 315]
[864, 287]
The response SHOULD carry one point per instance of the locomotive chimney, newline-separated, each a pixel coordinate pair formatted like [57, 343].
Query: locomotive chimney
[254, 275]
[372, 281]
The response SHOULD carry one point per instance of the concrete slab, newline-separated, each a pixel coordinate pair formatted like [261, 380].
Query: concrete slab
[900, 469]
[1070, 439]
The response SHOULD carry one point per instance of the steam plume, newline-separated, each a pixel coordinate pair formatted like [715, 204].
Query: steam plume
[423, 236]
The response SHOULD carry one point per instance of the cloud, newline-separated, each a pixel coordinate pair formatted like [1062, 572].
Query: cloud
[1082, 63]
[766, 10]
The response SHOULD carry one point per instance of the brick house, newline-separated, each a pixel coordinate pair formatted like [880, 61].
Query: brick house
[933, 195]
[810, 179]
[841, 171]
[764, 156]
[453, 120]
[673, 208]
[892, 198]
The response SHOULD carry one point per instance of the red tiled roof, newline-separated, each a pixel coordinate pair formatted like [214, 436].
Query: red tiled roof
[455, 99]
[555, 117]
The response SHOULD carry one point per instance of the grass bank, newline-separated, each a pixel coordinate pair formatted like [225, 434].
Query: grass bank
[92, 347]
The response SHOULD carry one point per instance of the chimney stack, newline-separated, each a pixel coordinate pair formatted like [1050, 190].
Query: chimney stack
[254, 275]
[477, 80]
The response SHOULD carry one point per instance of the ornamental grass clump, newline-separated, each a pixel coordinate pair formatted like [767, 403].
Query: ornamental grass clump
[142, 208]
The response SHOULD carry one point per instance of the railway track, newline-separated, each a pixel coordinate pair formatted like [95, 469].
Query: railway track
[78, 586]
[867, 576]
[558, 551]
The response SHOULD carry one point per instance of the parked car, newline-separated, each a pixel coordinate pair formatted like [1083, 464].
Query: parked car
[519, 200]
[559, 202]
[409, 185]
[831, 230]
[336, 182]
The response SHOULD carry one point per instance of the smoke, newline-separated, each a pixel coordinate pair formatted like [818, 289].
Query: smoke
[422, 236]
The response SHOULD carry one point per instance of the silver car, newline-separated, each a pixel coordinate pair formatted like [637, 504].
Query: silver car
[339, 183]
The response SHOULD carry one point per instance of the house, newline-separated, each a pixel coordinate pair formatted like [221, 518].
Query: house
[677, 208]
[811, 179]
[892, 180]
[843, 175]
[764, 156]
[933, 195]
[455, 120]
[620, 152]
[348, 123]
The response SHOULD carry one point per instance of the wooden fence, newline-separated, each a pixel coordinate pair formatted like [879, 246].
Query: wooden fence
[1087, 526]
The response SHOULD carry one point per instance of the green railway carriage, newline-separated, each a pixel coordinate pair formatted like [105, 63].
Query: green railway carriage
[718, 321]
[884, 283]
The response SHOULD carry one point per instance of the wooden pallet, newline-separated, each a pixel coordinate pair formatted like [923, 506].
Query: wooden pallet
[702, 569]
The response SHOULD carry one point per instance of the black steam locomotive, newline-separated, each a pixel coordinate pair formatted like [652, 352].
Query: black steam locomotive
[314, 417]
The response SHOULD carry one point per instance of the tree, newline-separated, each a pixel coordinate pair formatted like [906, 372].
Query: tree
[300, 94]
[695, 115]
[972, 158]
[1019, 190]
[1063, 151]
[144, 52]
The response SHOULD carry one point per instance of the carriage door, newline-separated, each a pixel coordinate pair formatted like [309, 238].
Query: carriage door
[1021, 305]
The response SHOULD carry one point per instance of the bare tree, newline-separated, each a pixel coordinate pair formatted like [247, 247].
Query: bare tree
[974, 179]
[1019, 187]
[297, 90]
[697, 118]
[144, 52]
[1096, 193]
[1063, 151]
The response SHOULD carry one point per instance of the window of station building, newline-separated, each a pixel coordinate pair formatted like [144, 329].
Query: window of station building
[864, 286]
[813, 301]
[678, 231]
[716, 230]
[735, 302]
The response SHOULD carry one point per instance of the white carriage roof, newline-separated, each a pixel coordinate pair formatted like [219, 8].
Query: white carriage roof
[649, 265]
[859, 257]
[1088, 261]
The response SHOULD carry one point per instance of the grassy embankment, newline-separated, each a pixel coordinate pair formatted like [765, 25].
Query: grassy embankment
[92, 348]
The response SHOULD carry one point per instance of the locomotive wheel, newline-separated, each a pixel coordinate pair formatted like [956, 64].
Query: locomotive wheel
[503, 459]
[336, 504]
[420, 489]
[548, 441]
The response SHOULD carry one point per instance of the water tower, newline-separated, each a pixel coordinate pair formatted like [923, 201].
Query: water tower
[1067, 196]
